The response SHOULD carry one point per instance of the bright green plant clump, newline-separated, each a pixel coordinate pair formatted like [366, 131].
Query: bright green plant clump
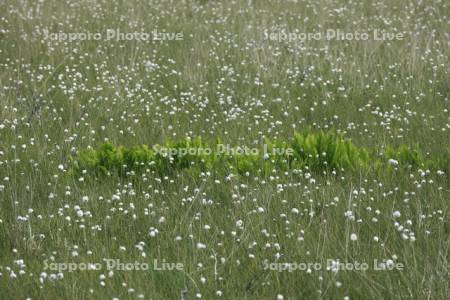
[320, 151]
[327, 150]
[413, 158]
[405, 156]
[162, 158]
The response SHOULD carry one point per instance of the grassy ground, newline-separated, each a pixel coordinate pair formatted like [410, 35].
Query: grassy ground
[232, 233]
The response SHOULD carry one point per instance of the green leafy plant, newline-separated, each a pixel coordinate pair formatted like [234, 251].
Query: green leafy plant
[321, 151]
[405, 156]
[328, 151]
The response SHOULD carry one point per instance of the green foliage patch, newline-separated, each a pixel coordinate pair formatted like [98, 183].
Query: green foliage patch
[321, 151]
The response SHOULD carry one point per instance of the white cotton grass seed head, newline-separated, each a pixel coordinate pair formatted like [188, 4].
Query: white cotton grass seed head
[201, 246]
[153, 232]
[393, 162]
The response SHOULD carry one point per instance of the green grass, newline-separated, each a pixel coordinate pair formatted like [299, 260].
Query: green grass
[369, 123]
